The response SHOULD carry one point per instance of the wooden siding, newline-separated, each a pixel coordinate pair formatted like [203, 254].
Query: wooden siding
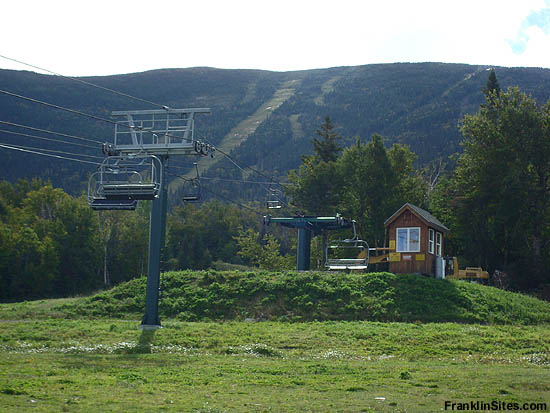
[413, 262]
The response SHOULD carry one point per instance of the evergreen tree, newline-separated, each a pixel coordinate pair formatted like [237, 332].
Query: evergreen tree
[327, 148]
[366, 183]
[492, 85]
[492, 88]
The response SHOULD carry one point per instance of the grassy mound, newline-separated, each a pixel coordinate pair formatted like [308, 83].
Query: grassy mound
[307, 296]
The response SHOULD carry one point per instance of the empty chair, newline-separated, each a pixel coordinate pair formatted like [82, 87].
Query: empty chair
[347, 254]
[125, 179]
[192, 192]
[274, 197]
[99, 204]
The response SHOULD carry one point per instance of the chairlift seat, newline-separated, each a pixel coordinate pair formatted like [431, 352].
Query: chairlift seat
[191, 198]
[353, 247]
[129, 191]
[347, 267]
[346, 264]
[194, 196]
[274, 204]
[274, 197]
[102, 204]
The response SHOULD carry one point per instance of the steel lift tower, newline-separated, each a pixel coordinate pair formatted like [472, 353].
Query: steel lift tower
[307, 228]
[135, 169]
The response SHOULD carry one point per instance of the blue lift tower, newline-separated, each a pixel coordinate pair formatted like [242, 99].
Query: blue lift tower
[135, 169]
[308, 227]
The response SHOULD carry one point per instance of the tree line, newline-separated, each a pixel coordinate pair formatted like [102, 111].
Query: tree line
[54, 245]
[496, 201]
[494, 196]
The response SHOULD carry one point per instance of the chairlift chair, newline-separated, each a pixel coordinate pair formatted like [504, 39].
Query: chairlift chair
[98, 202]
[125, 178]
[195, 195]
[121, 181]
[274, 199]
[347, 254]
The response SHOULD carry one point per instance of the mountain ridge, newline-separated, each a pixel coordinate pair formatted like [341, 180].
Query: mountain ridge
[417, 104]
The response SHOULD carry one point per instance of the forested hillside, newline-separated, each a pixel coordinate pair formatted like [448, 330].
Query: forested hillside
[360, 141]
[263, 119]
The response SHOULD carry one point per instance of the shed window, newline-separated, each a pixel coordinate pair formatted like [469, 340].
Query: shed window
[438, 238]
[431, 241]
[408, 239]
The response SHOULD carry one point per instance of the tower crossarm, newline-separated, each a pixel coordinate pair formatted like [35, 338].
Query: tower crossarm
[155, 132]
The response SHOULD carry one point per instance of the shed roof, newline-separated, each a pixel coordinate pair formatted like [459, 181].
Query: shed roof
[420, 213]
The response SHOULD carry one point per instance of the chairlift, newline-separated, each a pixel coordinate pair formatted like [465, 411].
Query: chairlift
[125, 178]
[195, 194]
[347, 254]
[121, 181]
[274, 197]
[98, 202]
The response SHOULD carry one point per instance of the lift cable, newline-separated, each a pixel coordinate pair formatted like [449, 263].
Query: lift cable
[240, 181]
[48, 131]
[267, 188]
[48, 154]
[87, 83]
[235, 162]
[51, 150]
[77, 112]
[166, 107]
[218, 195]
[88, 115]
[47, 139]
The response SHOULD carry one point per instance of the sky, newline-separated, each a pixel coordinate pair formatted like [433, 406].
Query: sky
[85, 38]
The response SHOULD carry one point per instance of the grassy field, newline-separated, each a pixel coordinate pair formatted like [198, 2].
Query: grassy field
[54, 359]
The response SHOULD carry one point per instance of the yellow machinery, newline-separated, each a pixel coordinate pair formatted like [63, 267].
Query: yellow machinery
[451, 267]
[470, 273]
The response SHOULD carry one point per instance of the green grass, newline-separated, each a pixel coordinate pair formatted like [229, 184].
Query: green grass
[382, 345]
[108, 365]
[236, 295]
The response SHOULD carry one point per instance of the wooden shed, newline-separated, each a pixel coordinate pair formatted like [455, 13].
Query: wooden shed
[416, 240]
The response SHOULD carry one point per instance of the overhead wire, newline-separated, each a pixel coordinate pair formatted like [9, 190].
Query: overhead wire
[94, 117]
[88, 115]
[218, 195]
[77, 112]
[48, 131]
[46, 139]
[236, 180]
[268, 190]
[244, 166]
[234, 161]
[52, 150]
[86, 82]
[47, 154]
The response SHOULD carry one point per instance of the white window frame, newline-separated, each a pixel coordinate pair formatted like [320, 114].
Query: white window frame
[431, 240]
[438, 243]
[407, 247]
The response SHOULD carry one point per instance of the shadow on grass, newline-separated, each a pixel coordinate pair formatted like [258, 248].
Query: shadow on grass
[143, 345]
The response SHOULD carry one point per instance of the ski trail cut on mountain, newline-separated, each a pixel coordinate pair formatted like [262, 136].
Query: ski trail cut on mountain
[244, 129]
